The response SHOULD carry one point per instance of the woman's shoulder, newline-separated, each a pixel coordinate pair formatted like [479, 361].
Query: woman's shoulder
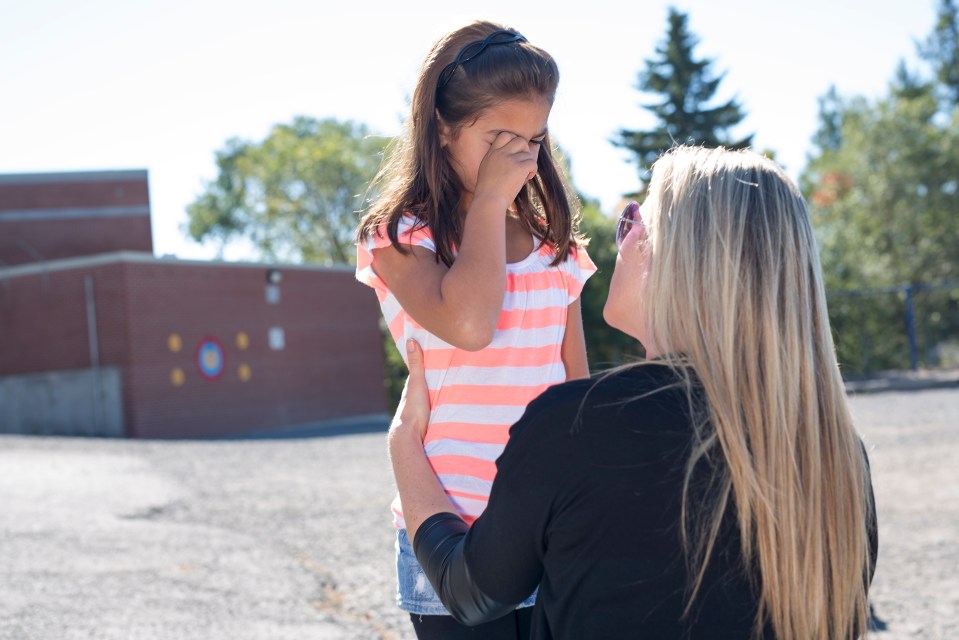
[640, 411]
[640, 377]
[631, 390]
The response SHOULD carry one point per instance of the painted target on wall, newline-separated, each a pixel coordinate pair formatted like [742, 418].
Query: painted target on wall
[209, 358]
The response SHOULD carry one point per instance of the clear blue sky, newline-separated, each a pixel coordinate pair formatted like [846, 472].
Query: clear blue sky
[118, 84]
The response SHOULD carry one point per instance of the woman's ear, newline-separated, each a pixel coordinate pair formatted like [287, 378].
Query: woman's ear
[443, 128]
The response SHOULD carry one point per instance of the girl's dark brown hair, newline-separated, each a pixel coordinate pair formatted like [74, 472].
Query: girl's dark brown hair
[418, 177]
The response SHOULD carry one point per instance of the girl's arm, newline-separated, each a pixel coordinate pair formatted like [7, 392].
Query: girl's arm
[573, 349]
[461, 304]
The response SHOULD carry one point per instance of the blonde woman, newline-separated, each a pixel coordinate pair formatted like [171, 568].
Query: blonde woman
[717, 489]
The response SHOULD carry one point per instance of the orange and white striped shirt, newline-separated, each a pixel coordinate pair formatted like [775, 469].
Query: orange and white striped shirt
[475, 397]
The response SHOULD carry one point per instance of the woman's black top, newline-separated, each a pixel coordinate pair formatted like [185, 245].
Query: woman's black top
[586, 505]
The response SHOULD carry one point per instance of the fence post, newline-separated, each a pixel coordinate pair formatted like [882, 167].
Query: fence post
[911, 329]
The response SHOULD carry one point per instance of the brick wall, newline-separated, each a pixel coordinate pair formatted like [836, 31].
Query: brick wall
[47, 216]
[152, 315]
[330, 366]
[43, 318]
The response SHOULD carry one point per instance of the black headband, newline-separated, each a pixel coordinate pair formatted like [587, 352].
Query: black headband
[473, 49]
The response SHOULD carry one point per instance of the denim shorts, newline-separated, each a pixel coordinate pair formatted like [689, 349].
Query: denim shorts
[414, 593]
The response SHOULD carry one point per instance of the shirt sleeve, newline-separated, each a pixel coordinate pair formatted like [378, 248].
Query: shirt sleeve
[581, 268]
[411, 232]
[439, 550]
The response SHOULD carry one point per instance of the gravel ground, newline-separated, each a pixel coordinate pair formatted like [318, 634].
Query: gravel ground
[291, 539]
[913, 441]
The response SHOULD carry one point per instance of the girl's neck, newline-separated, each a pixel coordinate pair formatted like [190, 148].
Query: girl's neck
[466, 199]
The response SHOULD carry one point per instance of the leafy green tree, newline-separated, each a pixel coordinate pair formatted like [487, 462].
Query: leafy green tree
[886, 198]
[605, 346]
[883, 185]
[294, 195]
[686, 87]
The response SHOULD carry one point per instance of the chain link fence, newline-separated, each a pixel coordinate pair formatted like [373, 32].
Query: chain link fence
[896, 328]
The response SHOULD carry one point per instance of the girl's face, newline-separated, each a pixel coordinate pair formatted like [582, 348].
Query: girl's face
[468, 145]
[625, 304]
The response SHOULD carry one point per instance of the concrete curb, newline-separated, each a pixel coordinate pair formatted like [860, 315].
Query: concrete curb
[904, 381]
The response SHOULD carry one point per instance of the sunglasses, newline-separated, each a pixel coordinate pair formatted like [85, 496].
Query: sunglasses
[473, 49]
[629, 217]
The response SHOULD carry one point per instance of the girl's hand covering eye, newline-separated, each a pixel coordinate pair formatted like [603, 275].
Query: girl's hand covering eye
[508, 165]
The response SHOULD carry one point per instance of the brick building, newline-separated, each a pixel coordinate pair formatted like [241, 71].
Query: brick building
[47, 216]
[99, 337]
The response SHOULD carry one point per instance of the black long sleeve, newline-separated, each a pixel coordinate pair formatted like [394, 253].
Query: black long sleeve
[438, 545]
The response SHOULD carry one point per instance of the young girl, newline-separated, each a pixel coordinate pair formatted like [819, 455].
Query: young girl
[472, 248]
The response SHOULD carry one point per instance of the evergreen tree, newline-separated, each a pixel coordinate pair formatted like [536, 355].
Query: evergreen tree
[687, 86]
[829, 135]
[941, 51]
[910, 85]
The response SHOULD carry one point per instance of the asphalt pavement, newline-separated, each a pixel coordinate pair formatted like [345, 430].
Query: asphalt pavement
[159, 540]
[290, 538]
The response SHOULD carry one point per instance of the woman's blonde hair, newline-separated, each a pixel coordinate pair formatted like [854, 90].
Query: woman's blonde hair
[735, 286]
[418, 176]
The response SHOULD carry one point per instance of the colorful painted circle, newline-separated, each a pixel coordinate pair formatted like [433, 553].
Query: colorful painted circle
[209, 358]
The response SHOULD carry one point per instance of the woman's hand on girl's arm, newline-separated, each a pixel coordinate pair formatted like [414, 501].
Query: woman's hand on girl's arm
[412, 415]
[420, 492]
